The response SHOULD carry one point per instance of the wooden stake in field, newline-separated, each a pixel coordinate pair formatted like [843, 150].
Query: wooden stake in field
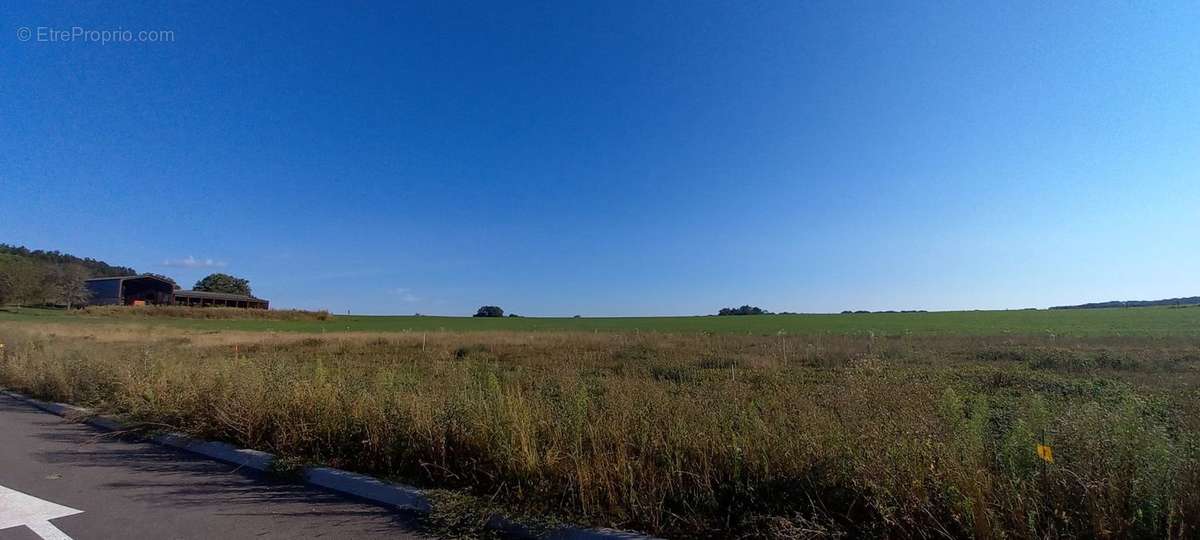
[1045, 452]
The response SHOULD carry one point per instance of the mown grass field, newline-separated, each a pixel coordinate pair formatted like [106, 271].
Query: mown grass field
[1154, 322]
[880, 425]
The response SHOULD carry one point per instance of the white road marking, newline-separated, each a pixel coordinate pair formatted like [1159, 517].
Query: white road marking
[17, 509]
[47, 531]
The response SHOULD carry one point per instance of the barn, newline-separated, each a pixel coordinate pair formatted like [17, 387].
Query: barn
[129, 290]
[148, 289]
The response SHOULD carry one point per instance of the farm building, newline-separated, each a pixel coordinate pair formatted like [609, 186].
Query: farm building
[153, 290]
[206, 299]
[129, 290]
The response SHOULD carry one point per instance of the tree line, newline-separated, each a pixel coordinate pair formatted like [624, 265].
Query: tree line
[32, 281]
[94, 268]
[1185, 301]
[744, 310]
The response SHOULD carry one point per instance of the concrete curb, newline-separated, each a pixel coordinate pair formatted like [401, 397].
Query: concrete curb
[367, 487]
[254, 459]
[361, 486]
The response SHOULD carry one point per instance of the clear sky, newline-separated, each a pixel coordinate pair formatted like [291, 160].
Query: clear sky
[615, 158]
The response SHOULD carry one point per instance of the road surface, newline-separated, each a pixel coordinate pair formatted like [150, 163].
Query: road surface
[61, 480]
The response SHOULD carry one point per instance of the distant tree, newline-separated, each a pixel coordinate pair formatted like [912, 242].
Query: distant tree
[8, 279]
[164, 278]
[47, 287]
[223, 283]
[514, 316]
[490, 311]
[744, 310]
[31, 285]
[67, 285]
[23, 281]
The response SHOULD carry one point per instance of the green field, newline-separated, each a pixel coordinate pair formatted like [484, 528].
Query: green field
[1150, 321]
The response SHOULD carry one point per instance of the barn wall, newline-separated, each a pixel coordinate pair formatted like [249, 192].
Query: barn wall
[105, 292]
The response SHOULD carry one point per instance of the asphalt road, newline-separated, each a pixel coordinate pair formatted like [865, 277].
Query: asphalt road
[89, 485]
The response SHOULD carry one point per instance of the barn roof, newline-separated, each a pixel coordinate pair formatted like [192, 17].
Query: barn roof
[218, 295]
[118, 278]
[127, 278]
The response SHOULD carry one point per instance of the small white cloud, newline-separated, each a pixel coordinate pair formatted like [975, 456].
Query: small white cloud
[192, 262]
[405, 295]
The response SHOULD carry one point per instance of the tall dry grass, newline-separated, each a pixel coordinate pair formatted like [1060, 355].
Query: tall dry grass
[686, 436]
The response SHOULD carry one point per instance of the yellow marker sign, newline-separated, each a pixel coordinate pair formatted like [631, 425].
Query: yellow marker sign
[1046, 453]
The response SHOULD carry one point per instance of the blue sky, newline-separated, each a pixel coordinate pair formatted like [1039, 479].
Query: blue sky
[616, 158]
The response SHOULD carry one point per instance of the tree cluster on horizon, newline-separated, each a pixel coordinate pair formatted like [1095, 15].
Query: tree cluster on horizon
[489, 311]
[744, 310]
